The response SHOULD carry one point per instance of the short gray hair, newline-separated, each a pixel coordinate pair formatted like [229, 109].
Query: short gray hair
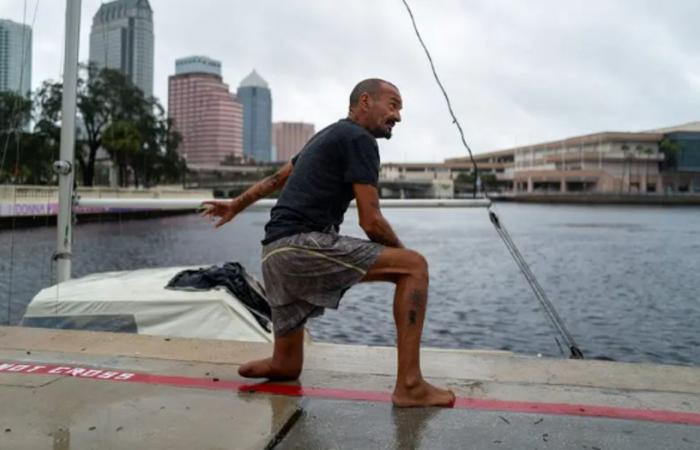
[372, 86]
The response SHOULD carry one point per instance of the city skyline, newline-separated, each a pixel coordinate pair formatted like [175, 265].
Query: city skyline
[516, 73]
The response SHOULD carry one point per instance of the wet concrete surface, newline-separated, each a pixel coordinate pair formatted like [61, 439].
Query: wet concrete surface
[71, 413]
[63, 412]
[327, 424]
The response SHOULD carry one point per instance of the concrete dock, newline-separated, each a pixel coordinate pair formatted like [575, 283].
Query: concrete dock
[84, 390]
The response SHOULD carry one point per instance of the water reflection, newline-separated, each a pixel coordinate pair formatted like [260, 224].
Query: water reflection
[410, 427]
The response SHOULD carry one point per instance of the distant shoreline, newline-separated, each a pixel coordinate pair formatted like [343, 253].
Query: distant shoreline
[91, 216]
[602, 199]
[8, 223]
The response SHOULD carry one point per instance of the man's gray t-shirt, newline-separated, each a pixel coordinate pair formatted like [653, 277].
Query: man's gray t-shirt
[319, 189]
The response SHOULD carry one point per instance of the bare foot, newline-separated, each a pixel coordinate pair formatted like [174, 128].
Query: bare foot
[266, 368]
[421, 393]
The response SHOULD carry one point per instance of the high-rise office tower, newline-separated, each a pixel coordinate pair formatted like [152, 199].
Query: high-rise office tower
[255, 96]
[290, 137]
[122, 38]
[15, 57]
[204, 112]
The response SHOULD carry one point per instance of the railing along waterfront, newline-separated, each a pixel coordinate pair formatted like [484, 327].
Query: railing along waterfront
[26, 200]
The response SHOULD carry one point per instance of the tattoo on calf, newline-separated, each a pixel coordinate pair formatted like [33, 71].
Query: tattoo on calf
[417, 298]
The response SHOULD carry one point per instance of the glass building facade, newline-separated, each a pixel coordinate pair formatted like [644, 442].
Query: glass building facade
[688, 157]
[255, 96]
[122, 38]
[15, 57]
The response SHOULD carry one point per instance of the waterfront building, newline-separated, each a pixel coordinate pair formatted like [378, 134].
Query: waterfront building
[416, 180]
[290, 137]
[122, 38]
[205, 112]
[15, 57]
[255, 96]
[608, 162]
[444, 180]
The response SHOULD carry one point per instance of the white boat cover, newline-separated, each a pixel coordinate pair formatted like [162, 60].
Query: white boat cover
[141, 294]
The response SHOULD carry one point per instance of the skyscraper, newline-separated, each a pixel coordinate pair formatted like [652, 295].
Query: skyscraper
[15, 57]
[205, 113]
[122, 38]
[290, 137]
[255, 96]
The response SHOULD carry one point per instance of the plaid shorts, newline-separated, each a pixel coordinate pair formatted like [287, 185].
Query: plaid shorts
[308, 272]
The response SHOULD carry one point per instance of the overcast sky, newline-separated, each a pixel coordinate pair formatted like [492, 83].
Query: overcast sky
[517, 72]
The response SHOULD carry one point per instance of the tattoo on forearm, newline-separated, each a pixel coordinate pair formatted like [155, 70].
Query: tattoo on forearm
[273, 181]
[261, 189]
[247, 199]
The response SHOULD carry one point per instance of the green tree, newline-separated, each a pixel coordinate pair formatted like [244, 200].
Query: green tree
[647, 152]
[15, 112]
[94, 108]
[671, 150]
[157, 160]
[122, 140]
[465, 178]
[488, 180]
[25, 158]
[107, 101]
[171, 167]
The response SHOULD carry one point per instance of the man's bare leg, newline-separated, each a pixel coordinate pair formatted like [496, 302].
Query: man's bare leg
[286, 361]
[409, 271]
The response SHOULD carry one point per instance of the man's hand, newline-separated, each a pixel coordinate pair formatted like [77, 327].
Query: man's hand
[224, 210]
[228, 210]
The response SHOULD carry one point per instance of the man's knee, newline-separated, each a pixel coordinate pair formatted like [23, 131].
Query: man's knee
[417, 264]
[396, 263]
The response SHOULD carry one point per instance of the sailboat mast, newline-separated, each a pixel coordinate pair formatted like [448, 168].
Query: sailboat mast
[65, 166]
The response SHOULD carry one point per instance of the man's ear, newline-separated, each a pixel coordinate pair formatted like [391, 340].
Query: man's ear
[364, 101]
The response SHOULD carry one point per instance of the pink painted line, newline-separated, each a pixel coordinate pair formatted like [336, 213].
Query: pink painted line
[561, 409]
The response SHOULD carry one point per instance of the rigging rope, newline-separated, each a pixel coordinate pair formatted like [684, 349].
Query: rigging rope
[541, 296]
[14, 122]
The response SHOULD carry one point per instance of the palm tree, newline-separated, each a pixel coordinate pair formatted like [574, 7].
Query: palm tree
[625, 151]
[671, 150]
[646, 152]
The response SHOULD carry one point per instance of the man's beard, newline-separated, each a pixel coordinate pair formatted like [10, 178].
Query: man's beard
[383, 131]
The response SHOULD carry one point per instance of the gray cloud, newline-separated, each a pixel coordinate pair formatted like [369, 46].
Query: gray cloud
[517, 72]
